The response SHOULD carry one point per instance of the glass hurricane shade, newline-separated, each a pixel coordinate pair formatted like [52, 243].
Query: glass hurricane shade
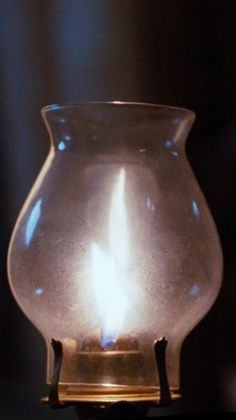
[114, 247]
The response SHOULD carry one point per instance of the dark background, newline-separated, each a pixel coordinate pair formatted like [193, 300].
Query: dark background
[173, 52]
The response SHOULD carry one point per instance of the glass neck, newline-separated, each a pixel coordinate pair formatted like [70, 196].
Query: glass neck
[114, 128]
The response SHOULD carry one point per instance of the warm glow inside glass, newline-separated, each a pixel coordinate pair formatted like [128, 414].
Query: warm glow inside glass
[115, 247]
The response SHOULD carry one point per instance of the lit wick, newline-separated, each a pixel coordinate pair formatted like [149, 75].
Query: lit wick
[107, 342]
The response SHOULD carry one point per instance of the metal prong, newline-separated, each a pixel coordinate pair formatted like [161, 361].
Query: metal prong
[160, 352]
[54, 400]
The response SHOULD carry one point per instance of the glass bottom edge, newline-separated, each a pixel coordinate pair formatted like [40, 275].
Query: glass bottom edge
[111, 393]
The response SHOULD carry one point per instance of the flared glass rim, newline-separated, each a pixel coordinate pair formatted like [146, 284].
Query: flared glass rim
[56, 107]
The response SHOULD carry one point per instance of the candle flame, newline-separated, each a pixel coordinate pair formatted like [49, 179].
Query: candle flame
[109, 267]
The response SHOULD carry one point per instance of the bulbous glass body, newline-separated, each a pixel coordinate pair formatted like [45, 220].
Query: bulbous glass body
[115, 247]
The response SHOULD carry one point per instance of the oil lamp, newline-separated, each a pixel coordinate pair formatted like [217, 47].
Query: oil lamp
[115, 248]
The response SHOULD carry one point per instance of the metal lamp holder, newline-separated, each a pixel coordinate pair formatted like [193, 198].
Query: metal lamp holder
[120, 408]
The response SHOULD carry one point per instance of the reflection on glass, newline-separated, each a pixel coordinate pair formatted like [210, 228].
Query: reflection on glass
[195, 290]
[32, 221]
[61, 145]
[195, 208]
[168, 143]
[38, 291]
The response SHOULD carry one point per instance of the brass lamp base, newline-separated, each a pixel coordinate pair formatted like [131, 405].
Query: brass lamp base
[117, 401]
